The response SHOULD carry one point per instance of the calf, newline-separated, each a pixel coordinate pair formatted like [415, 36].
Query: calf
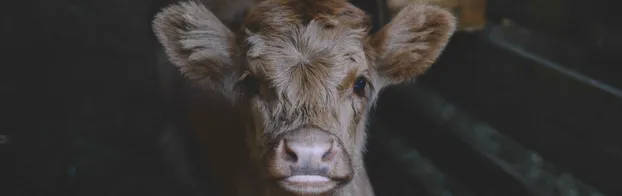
[284, 98]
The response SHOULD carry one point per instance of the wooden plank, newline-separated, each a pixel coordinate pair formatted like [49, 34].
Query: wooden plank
[472, 14]
[533, 171]
[568, 121]
[592, 27]
[400, 161]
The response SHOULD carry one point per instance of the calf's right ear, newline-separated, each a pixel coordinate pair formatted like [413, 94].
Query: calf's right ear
[197, 42]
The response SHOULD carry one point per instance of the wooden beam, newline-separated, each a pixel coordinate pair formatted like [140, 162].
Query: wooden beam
[534, 174]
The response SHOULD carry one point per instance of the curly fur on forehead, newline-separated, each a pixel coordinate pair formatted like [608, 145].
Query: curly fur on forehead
[308, 63]
[305, 49]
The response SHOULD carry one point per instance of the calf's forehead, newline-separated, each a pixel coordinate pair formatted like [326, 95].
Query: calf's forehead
[306, 47]
[312, 49]
[308, 62]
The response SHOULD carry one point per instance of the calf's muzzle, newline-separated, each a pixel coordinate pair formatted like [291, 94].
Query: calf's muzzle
[310, 160]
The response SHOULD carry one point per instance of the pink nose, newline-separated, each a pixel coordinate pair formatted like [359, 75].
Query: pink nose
[308, 147]
[308, 157]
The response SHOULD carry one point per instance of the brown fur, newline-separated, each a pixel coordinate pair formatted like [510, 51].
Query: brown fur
[305, 56]
[405, 56]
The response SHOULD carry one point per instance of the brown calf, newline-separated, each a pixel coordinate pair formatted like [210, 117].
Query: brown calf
[287, 95]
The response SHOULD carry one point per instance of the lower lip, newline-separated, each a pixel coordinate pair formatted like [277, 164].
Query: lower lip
[307, 179]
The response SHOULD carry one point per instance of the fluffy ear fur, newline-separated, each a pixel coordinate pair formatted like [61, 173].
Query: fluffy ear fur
[412, 41]
[199, 44]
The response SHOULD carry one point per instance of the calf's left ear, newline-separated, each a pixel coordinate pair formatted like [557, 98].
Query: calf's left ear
[412, 41]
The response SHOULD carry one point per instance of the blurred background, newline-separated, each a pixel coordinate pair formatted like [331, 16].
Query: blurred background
[526, 100]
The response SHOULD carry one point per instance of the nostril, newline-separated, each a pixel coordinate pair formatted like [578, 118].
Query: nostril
[329, 154]
[290, 155]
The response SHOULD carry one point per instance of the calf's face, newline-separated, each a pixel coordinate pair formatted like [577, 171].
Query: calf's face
[303, 74]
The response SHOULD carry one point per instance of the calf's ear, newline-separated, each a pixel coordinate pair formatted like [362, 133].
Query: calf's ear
[412, 41]
[198, 43]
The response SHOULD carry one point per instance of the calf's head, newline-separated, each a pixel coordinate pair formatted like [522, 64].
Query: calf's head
[303, 74]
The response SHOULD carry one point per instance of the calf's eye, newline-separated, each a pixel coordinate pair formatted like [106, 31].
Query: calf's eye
[359, 86]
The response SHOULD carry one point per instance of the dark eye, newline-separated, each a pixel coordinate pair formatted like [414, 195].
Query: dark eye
[251, 85]
[359, 86]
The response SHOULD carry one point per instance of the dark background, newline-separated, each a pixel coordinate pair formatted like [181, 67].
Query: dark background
[531, 108]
